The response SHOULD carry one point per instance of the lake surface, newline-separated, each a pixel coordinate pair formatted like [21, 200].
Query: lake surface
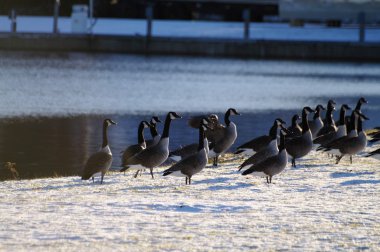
[52, 105]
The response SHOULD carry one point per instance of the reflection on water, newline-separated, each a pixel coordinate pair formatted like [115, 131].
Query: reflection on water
[60, 146]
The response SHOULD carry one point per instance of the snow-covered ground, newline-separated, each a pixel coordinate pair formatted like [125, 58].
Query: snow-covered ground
[316, 206]
[205, 29]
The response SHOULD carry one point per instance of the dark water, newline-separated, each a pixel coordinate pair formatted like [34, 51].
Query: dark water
[43, 147]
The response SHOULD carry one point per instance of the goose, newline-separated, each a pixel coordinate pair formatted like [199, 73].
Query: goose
[154, 156]
[259, 143]
[222, 144]
[135, 148]
[190, 149]
[316, 124]
[153, 131]
[328, 122]
[375, 136]
[272, 165]
[341, 131]
[270, 150]
[100, 161]
[358, 107]
[354, 142]
[194, 163]
[374, 154]
[216, 129]
[300, 146]
[295, 129]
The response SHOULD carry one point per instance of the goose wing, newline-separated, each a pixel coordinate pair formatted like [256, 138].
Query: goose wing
[96, 163]
[263, 166]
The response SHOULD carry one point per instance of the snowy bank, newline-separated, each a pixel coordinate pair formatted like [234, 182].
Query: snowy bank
[316, 206]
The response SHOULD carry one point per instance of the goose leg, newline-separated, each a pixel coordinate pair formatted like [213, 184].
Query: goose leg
[270, 179]
[294, 162]
[101, 180]
[137, 173]
[151, 173]
[189, 180]
[338, 159]
[351, 159]
[93, 180]
[186, 180]
[267, 180]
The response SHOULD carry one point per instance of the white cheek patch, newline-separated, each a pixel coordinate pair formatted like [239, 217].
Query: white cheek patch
[172, 117]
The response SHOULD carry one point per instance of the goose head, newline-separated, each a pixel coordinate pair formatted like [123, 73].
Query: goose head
[233, 111]
[362, 100]
[107, 122]
[319, 108]
[345, 107]
[174, 115]
[279, 121]
[331, 104]
[307, 110]
[155, 120]
[295, 118]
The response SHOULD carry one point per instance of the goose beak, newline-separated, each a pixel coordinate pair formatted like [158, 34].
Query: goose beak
[113, 122]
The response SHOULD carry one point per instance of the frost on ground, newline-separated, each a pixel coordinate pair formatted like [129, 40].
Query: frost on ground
[316, 206]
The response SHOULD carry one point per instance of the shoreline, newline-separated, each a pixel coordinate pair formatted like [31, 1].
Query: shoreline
[186, 46]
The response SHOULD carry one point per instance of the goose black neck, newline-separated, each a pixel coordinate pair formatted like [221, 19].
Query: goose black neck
[329, 116]
[294, 122]
[282, 142]
[153, 130]
[201, 138]
[342, 116]
[360, 124]
[140, 134]
[317, 113]
[166, 126]
[273, 131]
[358, 106]
[227, 118]
[305, 124]
[105, 138]
[353, 121]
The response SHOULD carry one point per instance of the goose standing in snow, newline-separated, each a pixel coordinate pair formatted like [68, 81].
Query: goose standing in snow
[194, 163]
[354, 142]
[300, 146]
[100, 161]
[154, 156]
[190, 149]
[272, 165]
[328, 122]
[134, 149]
[153, 131]
[316, 124]
[341, 131]
[259, 143]
[220, 146]
[358, 107]
[270, 150]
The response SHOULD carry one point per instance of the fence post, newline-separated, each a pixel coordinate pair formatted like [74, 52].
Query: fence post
[56, 15]
[149, 19]
[13, 18]
[361, 21]
[247, 19]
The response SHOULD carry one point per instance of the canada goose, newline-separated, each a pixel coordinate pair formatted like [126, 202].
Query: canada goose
[270, 150]
[328, 122]
[259, 143]
[155, 155]
[190, 149]
[135, 148]
[341, 131]
[300, 146]
[215, 130]
[374, 154]
[272, 165]
[354, 142]
[316, 124]
[229, 136]
[100, 161]
[192, 164]
[295, 129]
[153, 131]
[358, 107]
